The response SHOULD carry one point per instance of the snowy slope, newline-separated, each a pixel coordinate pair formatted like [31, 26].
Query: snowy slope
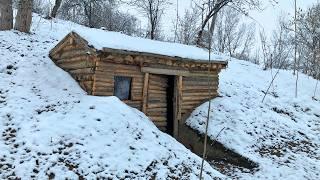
[282, 134]
[51, 129]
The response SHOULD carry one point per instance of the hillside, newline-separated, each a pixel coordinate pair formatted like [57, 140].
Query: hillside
[51, 129]
[281, 134]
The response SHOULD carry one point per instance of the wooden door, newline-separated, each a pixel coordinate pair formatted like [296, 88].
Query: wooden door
[157, 107]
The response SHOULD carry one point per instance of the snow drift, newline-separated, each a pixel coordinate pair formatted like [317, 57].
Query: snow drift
[281, 134]
[51, 129]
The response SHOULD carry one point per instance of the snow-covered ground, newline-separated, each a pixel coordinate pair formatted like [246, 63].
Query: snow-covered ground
[51, 129]
[281, 134]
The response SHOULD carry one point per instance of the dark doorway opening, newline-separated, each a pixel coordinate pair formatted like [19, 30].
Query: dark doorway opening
[170, 104]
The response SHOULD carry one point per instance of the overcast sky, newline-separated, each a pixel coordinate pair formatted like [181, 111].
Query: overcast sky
[266, 18]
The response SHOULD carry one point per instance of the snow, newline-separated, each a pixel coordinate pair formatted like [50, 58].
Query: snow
[51, 129]
[106, 39]
[281, 134]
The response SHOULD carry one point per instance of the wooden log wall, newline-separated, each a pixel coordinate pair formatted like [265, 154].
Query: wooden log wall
[73, 58]
[195, 91]
[95, 74]
[104, 80]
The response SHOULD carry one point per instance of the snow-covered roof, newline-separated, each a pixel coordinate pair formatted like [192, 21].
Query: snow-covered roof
[101, 39]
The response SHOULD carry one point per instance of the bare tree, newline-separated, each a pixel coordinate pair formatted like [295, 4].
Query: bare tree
[56, 6]
[187, 26]
[154, 10]
[103, 14]
[265, 50]
[233, 36]
[282, 45]
[6, 15]
[86, 12]
[308, 39]
[24, 16]
[40, 7]
[212, 7]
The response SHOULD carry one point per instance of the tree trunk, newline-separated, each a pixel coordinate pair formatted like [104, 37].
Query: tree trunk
[6, 15]
[55, 8]
[24, 16]
[213, 13]
[213, 23]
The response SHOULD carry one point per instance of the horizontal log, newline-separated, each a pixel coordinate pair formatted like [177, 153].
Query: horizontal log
[158, 118]
[186, 103]
[204, 79]
[173, 72]
[212, 72]
[200, 83]
[100, 71]
[133, 103]
[76, 65]
[156, 88]
[156, 100]
[201, 89]
[162, 125]
[137, 85]
[73, 59]
[103, 93]
[184, 98]
[199, 95]
[108, 79]
[188, 109]
[132, 68]
[82, 77]
[119, 67]
[136, 98]
[69, 47]
[158, 84]
[159, 114]
[104, 87]
[102, 81]
[136, 89]
[82, 71]
[108, 90]
[128, 73]
[73, 53]
[156, 109]
[157, 105]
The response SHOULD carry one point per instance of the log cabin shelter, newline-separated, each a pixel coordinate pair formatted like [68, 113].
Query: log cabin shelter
[164, 80]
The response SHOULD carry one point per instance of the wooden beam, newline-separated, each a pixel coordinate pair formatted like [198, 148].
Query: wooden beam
[94, 76]
[136, 53]
[180, 78]
[145, 93]
[177, 105]
[174, 72]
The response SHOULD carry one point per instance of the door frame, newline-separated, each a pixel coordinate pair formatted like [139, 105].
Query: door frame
[177, 97]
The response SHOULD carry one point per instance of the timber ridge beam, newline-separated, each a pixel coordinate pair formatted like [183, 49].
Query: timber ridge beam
[175, 72]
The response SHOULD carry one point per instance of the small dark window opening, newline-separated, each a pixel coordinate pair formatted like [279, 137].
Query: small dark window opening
[122, 87]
